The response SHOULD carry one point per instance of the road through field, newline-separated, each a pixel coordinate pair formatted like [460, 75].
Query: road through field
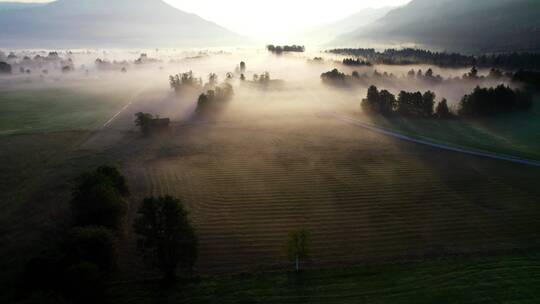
[479, 153]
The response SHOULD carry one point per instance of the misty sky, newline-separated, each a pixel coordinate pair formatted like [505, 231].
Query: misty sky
[272, 18]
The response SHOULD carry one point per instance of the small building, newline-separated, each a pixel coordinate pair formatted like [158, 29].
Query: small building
[160, 122]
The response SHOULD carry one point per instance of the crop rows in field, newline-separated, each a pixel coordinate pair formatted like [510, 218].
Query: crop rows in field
[360, 200]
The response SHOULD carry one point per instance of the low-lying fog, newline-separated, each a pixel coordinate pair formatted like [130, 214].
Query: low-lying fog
[300, 87]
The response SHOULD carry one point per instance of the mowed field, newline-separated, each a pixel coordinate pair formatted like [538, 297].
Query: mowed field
[516, 134]
[247, 181]
[273, 162]
[42, 109]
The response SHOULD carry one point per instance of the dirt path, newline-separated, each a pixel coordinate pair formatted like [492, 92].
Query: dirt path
[397, 135]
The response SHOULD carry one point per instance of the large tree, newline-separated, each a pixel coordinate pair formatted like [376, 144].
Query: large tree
[166, 238]
[98, 198]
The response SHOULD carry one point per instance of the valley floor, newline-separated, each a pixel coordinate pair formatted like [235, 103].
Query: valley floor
[254, 173]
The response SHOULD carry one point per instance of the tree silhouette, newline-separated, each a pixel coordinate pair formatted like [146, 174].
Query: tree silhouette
[334, 77]
[180, 81]
[491, 101]
[409, 56]
[428, 102]
[242, 67]
[298, 247]
[442, 110]
[5, 68]
[286, 48]
[212, 79]
[166, 238]
[143, 120]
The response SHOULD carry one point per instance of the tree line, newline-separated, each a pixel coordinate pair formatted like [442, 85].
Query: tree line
[481, 102]
[356, 62]
[411, 104]
[336, 77]
[409, 56]
[286, 48]
[26, 65]
[106, 65]
[529, 79]
[490, 101]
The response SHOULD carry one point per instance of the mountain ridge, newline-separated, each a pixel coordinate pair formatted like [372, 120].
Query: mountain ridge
[322, 34]
[111, 23]
[488, 26]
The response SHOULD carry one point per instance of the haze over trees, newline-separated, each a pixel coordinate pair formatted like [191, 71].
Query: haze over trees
[356, 62]
[106, 65]
[409, 56]
[214, 100]
[334, 77]
[263, 79]
[182, 81]
[25, 64]
[429, 80]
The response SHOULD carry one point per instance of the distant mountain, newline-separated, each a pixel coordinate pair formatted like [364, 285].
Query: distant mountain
[109, 23]
[4, 6]
[487, 25]
[326, 33]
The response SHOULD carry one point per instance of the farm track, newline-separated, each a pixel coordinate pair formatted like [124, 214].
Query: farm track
[361, 195]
